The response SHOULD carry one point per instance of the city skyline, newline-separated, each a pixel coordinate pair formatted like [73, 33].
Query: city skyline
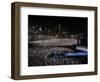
[68, 24]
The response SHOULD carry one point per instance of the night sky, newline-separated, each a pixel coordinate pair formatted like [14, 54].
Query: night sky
[70, 24]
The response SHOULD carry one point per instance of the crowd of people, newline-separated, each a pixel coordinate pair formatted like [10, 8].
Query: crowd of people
[44, 56]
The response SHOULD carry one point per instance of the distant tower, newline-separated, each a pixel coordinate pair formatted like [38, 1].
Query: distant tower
[59, 28]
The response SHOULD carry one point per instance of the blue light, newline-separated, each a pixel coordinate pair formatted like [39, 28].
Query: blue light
[80, 53]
